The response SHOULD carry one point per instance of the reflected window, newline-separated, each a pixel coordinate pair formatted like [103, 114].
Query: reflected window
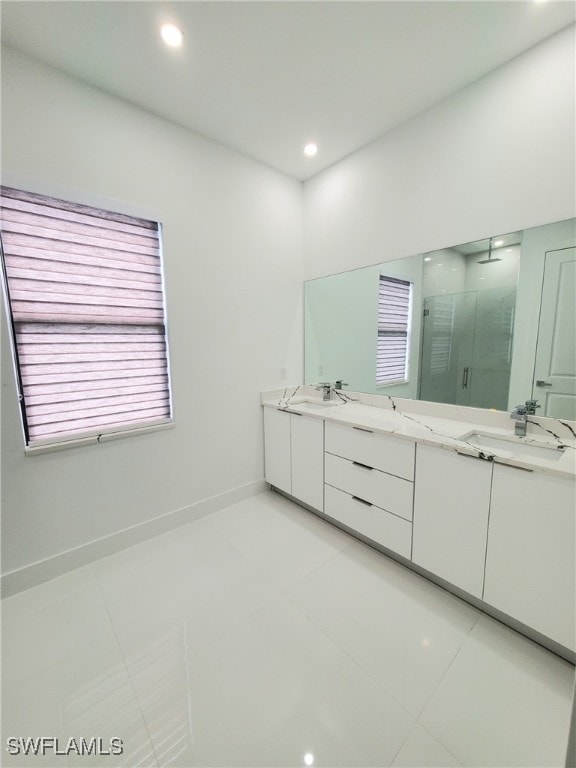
[394, 319]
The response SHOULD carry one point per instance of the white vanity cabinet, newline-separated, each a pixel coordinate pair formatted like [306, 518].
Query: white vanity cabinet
[294, 455]
[502, 534]
[370, 485]
[530, 563]
[451, 507]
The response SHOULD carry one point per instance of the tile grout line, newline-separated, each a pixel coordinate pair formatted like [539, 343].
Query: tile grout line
[404, 742]
[356, 663]
[366, 671]
[262, 573]
[436, 687]
[441, 743]
[457, 653]
[284, 591]
[316, 568]
[124, 662]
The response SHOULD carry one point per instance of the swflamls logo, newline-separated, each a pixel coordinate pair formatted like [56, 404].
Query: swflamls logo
[44, 745]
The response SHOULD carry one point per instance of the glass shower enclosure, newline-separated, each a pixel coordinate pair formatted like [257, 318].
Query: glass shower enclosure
[467, 348]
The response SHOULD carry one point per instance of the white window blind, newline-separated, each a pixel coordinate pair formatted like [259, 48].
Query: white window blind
[394, 302]
[86, 297]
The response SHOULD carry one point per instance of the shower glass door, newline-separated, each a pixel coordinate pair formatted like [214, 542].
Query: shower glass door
[467, 348]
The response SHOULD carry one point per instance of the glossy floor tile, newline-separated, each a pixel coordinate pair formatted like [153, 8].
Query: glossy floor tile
[504, 701]
[403, 630]
[422, 749]
[270, 692]
[190, 577]
[284, 546]
[63, 675]
[262, 636]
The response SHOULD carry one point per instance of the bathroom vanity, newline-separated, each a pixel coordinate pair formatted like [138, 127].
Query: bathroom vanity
[449, 491]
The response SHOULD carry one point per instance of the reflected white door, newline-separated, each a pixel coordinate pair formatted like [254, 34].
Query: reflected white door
[555, 369]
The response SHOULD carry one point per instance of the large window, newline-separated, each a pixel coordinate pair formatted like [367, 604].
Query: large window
[86, 301]
[394, 310]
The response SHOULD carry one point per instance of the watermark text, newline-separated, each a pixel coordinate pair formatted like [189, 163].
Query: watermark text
[46, 745]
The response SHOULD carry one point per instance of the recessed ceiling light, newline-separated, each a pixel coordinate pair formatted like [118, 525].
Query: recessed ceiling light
[171, 35]
[310, 150]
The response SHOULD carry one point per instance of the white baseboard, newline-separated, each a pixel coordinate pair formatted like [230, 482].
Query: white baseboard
[44, 570]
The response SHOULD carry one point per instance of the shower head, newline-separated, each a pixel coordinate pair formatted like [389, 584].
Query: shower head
[489, 260]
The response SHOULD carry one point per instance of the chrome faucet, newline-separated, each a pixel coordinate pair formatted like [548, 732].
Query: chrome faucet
[340, 384]
[521, 413]
[326, 388]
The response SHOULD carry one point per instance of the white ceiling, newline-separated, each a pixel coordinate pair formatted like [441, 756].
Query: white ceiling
[266, 77]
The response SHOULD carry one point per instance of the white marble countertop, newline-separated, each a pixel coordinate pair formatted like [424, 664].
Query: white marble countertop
[449, 427]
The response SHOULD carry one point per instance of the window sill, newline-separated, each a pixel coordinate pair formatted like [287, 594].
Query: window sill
[384, 384]
[74, 442]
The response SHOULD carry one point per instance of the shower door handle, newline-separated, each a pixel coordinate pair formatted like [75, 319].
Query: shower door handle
[465, 378]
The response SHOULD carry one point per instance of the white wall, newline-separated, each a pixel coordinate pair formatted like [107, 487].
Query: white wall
[233, 264]
[498, 156]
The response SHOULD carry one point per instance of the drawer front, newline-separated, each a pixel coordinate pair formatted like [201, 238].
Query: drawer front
[386, 491]
[389, 454]
[371, 521]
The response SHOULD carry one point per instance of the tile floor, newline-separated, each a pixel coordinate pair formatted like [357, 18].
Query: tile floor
[263, 636]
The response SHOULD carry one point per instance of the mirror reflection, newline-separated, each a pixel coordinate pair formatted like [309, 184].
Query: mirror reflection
[484, 324]
[469, 304]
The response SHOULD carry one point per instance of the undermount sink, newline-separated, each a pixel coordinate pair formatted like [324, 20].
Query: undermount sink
[514, 446]
[304, 403]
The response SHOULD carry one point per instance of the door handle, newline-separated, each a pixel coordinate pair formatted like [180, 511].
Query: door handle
[465, 378]
[541, 383]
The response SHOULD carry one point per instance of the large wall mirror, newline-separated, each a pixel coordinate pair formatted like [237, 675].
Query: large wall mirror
[486, 324]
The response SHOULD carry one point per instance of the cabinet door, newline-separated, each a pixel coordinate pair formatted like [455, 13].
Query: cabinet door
[308, 460]
[530, 563]
[277, 449]
[451, 502]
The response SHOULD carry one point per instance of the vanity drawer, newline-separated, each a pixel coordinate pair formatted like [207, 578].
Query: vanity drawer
[386, 491]
[369, 520]
[389, 454]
